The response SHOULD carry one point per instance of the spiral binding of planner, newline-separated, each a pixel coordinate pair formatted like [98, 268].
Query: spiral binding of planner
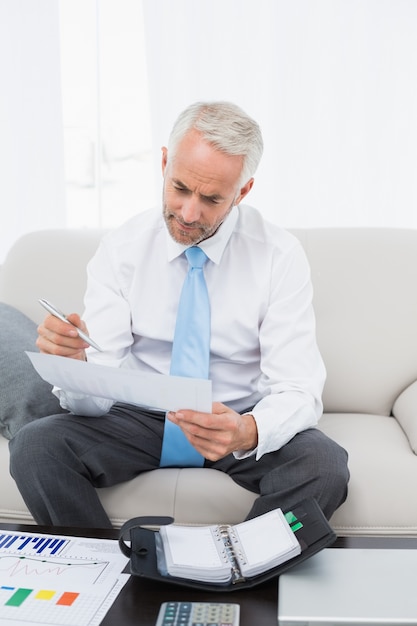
[224, 535]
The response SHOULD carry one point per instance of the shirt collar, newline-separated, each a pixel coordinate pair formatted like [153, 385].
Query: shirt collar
[213, 246]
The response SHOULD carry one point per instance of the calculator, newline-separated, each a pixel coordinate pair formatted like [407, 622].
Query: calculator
[198, 614]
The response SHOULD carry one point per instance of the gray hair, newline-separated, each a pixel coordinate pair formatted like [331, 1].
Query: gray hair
[226, 127]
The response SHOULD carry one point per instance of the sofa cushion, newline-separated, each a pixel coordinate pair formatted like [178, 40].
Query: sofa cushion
[383, 474]
[365, 304]
[24, 396]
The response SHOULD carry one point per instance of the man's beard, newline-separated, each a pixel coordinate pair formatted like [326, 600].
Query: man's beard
[185, 237]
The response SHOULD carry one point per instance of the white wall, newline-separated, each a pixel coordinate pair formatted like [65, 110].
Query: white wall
[333, 84]
[31, 149]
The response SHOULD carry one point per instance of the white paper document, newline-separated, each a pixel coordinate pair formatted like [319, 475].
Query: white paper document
[58, 580]
[166, 393]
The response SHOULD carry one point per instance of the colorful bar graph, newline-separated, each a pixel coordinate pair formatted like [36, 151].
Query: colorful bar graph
[18, 597]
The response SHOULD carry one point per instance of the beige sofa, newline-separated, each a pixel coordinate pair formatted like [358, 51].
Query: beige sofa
[365, 283]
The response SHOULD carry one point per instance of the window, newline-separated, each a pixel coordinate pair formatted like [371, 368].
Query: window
[107, 134]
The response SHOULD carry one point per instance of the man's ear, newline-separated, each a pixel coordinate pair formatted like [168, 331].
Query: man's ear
[244, 191]
[164, 158]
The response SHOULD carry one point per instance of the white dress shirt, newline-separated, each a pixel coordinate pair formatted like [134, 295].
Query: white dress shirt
[263, 346]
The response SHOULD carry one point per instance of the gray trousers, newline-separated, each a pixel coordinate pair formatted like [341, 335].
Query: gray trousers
[58, 461]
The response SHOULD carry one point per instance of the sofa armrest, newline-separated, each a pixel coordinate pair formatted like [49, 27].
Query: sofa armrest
[405, 412]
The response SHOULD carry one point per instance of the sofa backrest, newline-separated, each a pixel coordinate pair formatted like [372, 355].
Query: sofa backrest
[48, 264]
[365, 299]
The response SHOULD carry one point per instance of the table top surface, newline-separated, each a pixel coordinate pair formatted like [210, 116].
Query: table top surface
[139, 601]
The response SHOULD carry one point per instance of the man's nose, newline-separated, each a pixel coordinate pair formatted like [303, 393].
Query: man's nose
[190, 210]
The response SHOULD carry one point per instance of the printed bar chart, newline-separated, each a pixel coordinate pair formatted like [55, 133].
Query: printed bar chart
[48, 580]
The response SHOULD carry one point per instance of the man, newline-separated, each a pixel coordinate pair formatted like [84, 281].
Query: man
[265, 367]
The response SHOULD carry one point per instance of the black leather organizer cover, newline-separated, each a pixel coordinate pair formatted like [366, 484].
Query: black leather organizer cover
[311, 528]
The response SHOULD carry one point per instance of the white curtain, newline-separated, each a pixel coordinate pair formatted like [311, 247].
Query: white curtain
[32, 194]
[333, 84]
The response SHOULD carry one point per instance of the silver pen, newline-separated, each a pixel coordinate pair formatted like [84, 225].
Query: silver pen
[61, 316]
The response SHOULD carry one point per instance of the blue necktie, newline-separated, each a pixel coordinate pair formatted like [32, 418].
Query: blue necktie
[190, 354]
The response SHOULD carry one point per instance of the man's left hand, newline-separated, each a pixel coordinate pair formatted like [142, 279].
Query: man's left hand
[217, 434]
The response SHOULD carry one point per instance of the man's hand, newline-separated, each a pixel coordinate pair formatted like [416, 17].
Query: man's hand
[217, 434]
[59, 338]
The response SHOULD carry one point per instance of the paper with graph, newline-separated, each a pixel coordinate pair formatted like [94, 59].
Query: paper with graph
[58, 580]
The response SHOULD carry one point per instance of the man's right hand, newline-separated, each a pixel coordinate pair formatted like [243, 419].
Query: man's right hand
[59, 338]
